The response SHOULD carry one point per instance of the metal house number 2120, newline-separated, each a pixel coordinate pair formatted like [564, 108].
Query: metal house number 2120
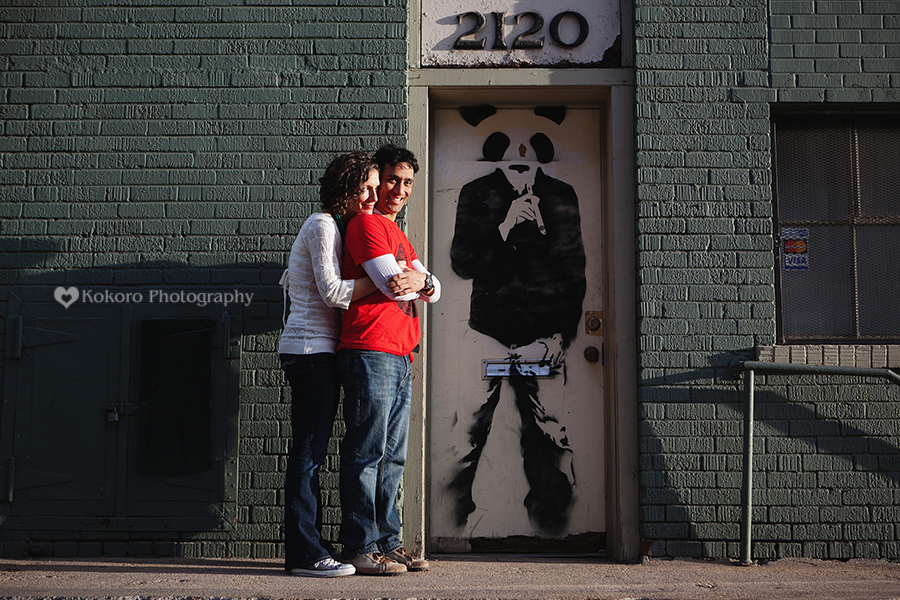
[525, 40]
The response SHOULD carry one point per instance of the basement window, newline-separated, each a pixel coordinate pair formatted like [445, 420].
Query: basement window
[175, 395]
[837, 192]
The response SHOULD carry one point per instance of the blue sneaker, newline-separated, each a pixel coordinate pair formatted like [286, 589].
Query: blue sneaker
[327, 567]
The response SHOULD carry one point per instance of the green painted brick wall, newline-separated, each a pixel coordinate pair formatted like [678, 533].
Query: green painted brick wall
[706, 283]
[838, 51]
[826, 461]
[161, 145]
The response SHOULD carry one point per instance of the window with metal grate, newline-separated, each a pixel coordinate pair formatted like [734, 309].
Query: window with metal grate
[837, 194]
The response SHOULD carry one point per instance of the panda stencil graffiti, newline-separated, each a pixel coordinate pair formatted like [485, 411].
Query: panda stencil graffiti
[517, 237]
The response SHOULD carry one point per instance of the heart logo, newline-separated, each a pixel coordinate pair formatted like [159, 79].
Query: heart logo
[66, 296]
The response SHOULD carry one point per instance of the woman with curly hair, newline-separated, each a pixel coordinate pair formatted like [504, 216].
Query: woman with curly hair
[307, 349]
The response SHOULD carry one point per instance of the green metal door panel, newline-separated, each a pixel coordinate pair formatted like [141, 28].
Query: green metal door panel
[177, 450]
[64, 446]
[119, 417]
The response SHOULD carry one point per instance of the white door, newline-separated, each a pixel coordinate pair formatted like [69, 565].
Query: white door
[516, 401]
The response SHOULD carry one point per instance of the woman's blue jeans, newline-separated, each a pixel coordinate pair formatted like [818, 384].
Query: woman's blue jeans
[377, 391]
[314, 399]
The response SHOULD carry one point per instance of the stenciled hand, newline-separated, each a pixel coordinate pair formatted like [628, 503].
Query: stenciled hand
[554, 352]
[523, 209]
[548, 348]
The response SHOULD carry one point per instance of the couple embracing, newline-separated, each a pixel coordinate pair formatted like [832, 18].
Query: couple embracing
[353, 281]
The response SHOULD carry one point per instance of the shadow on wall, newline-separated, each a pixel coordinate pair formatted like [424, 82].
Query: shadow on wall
[38, 267]
[135, 371]
[825, 465]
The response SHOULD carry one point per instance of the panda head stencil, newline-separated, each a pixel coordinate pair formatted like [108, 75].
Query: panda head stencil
[538, 149]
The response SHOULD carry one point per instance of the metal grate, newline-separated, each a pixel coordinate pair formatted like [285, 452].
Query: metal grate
[837, 187]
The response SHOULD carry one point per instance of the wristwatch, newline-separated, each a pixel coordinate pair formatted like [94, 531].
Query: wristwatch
[429, 284]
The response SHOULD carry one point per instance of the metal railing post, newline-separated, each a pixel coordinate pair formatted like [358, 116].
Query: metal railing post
[740, 364]
[747, 490]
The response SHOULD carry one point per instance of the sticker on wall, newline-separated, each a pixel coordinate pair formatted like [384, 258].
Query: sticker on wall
[795, 249]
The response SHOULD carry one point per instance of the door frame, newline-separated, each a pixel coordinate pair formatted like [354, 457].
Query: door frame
[613, 90]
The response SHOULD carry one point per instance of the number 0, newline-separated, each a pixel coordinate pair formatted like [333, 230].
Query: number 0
[583, 29]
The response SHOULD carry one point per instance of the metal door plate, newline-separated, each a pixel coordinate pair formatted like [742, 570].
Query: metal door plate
[500, 367]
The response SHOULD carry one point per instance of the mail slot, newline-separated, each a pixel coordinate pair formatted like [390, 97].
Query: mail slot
[501, 367]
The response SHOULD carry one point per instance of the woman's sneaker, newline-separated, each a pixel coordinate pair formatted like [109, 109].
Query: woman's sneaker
[327, 567]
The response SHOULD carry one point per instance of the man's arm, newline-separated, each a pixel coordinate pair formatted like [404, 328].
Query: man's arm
[394, 279]
[381, 270]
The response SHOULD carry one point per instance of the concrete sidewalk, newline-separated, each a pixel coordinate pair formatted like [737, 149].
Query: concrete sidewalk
[462, 577]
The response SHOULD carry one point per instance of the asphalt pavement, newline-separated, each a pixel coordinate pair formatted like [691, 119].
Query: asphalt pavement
[452, 577]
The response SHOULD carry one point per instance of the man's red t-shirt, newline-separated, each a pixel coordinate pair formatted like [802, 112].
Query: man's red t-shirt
[375, 322]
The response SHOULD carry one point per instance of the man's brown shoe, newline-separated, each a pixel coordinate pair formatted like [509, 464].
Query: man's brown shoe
[377, 564]
[405, 558]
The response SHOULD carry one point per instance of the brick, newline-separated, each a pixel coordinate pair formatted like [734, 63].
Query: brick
[795, 65]
[860, 21]
[857, 514]
[880, 65]
[869, 532]
[821, 533]
[792, 7]
[866, 80]
[849, 65]
[801, 95]
[817, 50]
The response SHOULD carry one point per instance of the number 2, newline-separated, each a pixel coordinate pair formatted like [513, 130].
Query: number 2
[536, 26]
[473, 44]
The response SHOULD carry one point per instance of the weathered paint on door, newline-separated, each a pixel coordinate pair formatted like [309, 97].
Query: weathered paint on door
[516, 389]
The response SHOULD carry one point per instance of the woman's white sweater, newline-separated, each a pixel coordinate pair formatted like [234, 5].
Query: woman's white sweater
[316, 291]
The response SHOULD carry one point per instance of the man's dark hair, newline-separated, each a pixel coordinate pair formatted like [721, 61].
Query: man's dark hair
[343, 180]
[390, 154]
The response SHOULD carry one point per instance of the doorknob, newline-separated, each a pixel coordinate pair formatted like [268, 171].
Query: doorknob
[592, 354]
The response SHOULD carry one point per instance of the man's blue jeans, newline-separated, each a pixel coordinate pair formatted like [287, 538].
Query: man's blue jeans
[314, 400]
[377, 391]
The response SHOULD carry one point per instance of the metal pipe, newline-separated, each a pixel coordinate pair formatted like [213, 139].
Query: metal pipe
[750, 366]
[747, 491]
[767, 367]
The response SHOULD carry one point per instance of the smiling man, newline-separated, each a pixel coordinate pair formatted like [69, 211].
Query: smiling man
[396, 182]
[378, 336]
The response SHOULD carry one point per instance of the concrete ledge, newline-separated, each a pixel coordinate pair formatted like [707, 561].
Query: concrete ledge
[871, 357]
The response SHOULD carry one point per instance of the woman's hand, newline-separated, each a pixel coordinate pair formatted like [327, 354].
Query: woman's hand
[406, 282]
